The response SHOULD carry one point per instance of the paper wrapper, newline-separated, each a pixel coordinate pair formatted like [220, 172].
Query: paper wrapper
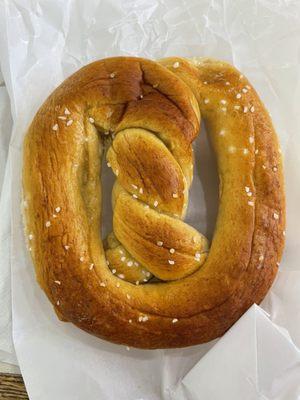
[41, 44]
[7, 353]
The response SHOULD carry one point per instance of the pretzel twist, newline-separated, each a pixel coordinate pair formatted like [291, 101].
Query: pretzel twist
[155, 283]
[149, 197]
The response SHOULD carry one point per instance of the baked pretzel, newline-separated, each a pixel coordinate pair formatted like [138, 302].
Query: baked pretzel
[154, 282]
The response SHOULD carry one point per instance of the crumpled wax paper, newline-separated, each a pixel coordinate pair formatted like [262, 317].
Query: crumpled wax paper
[43, 42]
[7, 353]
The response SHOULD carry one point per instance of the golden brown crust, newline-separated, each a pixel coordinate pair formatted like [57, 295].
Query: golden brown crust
[63, 194]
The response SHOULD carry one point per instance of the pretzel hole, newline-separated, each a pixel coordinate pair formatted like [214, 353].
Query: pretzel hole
[203, 202]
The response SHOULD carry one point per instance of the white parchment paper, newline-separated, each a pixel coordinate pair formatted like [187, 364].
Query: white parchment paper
[41, 43]
[7, 353]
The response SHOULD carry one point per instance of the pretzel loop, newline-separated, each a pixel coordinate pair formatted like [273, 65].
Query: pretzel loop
[154, 282]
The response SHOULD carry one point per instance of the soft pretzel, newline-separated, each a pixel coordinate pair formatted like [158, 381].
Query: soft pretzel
[155, 282]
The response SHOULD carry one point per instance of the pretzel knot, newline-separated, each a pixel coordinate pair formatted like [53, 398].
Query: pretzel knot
[154, 282]
[150, 197]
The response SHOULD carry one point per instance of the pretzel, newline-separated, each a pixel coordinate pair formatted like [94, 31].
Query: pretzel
[154, 282]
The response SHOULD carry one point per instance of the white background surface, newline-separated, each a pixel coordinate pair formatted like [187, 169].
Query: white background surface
[41, 43]
[7, 353]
